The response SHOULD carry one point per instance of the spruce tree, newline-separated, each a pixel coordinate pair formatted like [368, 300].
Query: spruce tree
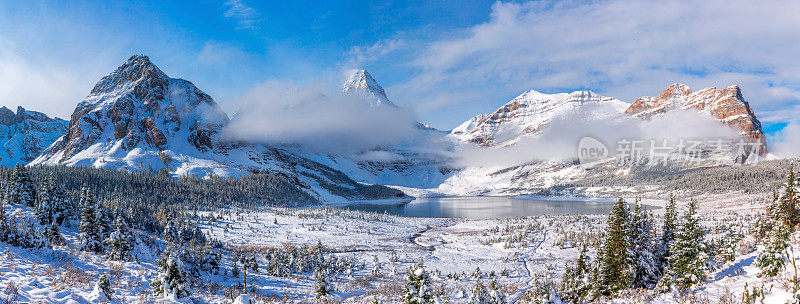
[615, 261]
[103, 285]
[121, 242]
[322, 288]
[667, 233]
[172, 279]
[772, 258]
[90, 236]
[45, 205]
[688, 263]
[418, 289]
[646, 266]
[22, 190]
[479, 294]
[53, 234]
[496, 295]
[786, 214]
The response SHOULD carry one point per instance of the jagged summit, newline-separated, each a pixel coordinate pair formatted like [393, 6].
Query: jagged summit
[728, 106]
[138, 105]
[361, 82]
[24, 134]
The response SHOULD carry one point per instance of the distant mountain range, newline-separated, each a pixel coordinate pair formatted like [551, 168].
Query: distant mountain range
[139, 118]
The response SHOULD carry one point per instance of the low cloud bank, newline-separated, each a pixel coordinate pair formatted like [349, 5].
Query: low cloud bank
[559, 141]
[281, 113]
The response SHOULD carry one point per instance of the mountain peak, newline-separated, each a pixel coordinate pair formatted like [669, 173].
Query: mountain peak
[136, 69]
[360, 81]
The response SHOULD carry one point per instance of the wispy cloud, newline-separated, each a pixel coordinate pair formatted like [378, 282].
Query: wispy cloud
[619, 48]
[244, 15]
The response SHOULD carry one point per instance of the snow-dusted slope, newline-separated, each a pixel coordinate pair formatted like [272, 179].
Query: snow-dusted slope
[139, 118]
[25, 134]
[530, 113]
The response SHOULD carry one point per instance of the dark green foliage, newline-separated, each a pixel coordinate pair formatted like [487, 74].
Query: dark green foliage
[418, 289]
[121, 242]
[147, 199]
[615, 260]
[22, 189]
[667, 232]
[688, 263]
[91, 237]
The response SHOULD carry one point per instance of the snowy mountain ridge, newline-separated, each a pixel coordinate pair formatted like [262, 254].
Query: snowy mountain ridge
[138, 118]
[25, 134]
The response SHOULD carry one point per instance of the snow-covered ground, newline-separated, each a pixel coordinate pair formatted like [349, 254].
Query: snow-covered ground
[519, 253]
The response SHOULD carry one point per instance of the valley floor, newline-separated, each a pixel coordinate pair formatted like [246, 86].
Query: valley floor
[523, 255]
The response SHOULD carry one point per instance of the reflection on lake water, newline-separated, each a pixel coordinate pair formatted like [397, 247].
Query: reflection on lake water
[478, 207]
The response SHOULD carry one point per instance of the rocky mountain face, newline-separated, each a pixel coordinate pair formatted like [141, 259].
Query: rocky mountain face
[139, 118]
[139, 106]
[25, 134]
[530, 113]
[361, 82]
[728, 106]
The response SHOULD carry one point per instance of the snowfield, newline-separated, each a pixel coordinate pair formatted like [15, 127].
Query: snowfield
[521, 254]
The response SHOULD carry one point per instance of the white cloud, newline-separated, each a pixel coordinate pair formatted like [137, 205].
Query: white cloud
[278, 112]
[786, 143]
[559, 141]
[625, 49]
[243, 14]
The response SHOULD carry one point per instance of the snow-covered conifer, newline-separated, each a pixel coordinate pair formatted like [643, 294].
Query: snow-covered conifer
[22, 191]
[322, 287]
[90, 236]
[479, 294]
[689, 260]
[121, 242]
[646, 267]
[418, 289]
[667, 233]
[172, 278]
[615, 262]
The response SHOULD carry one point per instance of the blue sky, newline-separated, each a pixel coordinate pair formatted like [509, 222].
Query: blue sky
[446, 60]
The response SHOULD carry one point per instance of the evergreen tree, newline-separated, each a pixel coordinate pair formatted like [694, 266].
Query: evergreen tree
[496, 295]
[104, 285]
[688, 263]
[479, 294]
[418, 289]
[615, 261]
[22, 190]
[120, 243]
[322, 288]
[786, 213]
[45, 206]
[646, 266]
[667, 233]
[172, 278]
[53, 234]
[576, 283]
[90, 236]
[772, 258]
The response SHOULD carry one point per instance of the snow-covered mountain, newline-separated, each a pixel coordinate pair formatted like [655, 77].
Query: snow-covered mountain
[138, 118]
[361, 82]
[727, 106]
[415, 161]
[25, 134]
[530, 113]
